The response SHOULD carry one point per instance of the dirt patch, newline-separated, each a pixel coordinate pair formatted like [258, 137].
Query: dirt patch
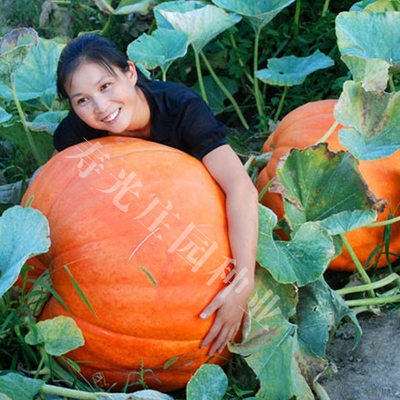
[371, 371]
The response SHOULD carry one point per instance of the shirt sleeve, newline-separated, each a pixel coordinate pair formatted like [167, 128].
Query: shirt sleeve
[201, 131]
[72, 130]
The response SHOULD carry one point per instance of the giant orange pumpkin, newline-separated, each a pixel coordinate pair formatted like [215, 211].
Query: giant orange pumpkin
[142, 228]
[303, 127]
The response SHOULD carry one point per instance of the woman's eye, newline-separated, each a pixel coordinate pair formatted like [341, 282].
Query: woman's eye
[81, 101]
[104, 86]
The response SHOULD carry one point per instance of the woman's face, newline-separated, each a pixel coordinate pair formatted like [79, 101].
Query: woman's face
[108, 101]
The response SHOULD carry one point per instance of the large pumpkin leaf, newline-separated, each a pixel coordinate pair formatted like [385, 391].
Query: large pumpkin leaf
[19, 387]
[383, 6]
[373, 119]
[47, 121]
[4, 115]
[37, 75]
[24, 233]
[320, 310]
[181, 6]
[360, 5]
[59, 335]
[320, 185]
[301, 260]
[133, 6]
[14, 47]
[158, 50]
[258, 12]
[369, 44]
[292, 70]
[208, 383]
[269, 341]
[201, 24]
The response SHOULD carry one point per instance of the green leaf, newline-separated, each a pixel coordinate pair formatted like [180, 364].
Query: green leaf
[16, 134]
[320, 185]
[215, 95]
[47, 121]
[158, 50]
[139, 395]
[383, 6]
[258, 12]
[181, 6]
[302, 259]
[133, 6]
[269, 341]
[104, 5]
[37, 75]
[361, 5]
[201, 24]
[208, 383]
[4, 115]
[24, 233]
[320, 310]
[292, 70]
[369, 44]
[373, 119]
[14, 47]
[59, 335]
[19, 387]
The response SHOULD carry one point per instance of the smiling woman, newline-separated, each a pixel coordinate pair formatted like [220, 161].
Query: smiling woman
[109, 96]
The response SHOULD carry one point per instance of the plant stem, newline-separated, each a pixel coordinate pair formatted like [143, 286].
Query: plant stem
[241, 63]
[71, 393]
[325, 8]
[200, 76]
[374, 285]
[257, 94]
[225, 91]
[163, 74]
[297, 18]
[281, 101]
[107, 26]
[24, 124]
[375, 301]
[391, 84]
[383, 223]
[357, 263]
[264, 190]
[329, 132]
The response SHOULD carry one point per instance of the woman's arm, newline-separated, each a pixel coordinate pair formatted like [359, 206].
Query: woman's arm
[242, 214]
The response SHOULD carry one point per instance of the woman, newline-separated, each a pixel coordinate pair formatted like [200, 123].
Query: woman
[109, 97]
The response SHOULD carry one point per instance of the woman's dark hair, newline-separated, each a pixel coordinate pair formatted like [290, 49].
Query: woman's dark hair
[88, 47]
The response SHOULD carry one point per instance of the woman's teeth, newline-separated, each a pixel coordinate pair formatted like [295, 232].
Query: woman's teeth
[111, 116]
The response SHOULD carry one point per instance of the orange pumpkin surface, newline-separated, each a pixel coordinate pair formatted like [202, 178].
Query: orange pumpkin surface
[142, 228]
[303, 127]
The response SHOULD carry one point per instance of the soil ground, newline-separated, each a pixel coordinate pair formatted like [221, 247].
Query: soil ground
[371, 371]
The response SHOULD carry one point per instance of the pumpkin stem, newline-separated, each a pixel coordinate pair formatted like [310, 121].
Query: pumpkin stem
[383, 223]
[382, 300]
[328, 133]
[225, 91]
[374, 285]
[200, 76]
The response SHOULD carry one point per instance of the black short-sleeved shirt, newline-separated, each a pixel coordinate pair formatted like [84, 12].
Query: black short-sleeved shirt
[179, 118]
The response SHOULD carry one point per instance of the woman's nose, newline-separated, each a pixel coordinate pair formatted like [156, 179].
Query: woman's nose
[99, 104]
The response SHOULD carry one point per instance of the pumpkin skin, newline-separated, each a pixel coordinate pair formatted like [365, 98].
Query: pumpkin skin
[303, 127]
[115, 258]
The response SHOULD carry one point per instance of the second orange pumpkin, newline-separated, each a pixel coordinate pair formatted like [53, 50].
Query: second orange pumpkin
[303, 127]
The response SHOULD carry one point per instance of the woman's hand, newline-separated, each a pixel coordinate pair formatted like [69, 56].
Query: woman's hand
[230, 304]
